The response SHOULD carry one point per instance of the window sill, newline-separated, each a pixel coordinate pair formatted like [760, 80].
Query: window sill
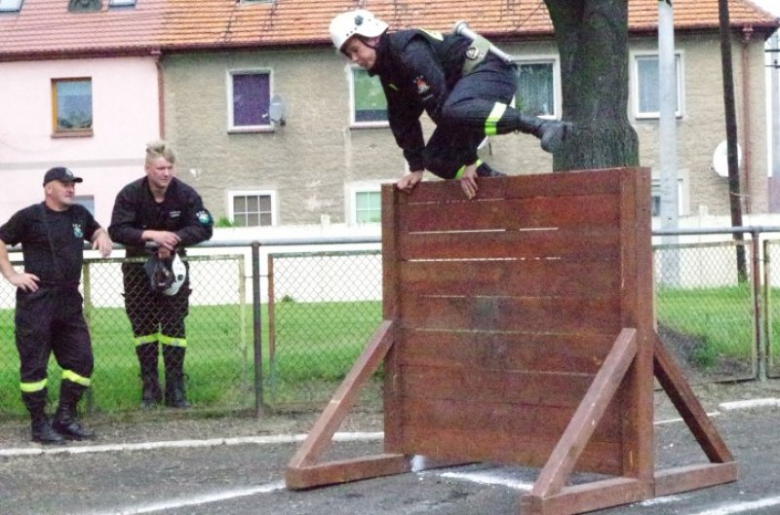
[369, 125]
[82, 133]
[251, 130]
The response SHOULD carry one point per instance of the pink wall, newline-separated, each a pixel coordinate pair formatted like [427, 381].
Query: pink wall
[125, 117]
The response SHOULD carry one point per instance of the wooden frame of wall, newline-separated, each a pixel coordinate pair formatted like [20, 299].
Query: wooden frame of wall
[519, 329]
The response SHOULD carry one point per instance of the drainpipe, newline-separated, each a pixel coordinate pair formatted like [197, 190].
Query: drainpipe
[157, 54]
[747, 34]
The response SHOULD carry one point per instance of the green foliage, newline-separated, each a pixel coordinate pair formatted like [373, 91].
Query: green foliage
[316, 345]
[720, 320]
[224, 221]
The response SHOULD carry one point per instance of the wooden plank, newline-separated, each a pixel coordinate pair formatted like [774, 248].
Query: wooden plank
[590, 182]
[576, 211]
[692, 477]
[552, 244]
[538, 422]
[672, 380]
[389, 252]
[466, 385]
[390, 307]
[510, 447]
[587, 497]
[563, 459]
[562, 314]
[517, 278]
[541, 352]
[637, 312]
[346, 470]
[331, 418]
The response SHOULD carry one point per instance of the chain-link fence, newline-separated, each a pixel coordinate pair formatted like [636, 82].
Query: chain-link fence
[772, 306]
[705, 307]
[322, 308]
[718, 310]
[218, 344]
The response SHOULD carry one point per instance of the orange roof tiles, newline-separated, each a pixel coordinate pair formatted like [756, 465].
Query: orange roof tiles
[45, 28]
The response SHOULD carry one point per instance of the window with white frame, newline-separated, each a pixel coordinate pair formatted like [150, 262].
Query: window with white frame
[252, 208]
[249, 99]
[88, 201]
[368, 206]
[10, 6]
[369, 105]
[536, 88]
[647, 99]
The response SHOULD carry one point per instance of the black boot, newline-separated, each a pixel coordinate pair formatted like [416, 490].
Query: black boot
[175, 396]
[40, 426]
[552, 133]
[147, 359]
[485, 170]
[65, 422]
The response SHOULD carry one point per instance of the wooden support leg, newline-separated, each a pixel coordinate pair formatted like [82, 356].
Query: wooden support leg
[303, 470]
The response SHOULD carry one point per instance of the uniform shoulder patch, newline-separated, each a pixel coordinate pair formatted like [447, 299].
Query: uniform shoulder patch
[203, 217]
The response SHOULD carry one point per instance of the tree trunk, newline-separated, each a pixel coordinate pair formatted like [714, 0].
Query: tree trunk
[592, 38]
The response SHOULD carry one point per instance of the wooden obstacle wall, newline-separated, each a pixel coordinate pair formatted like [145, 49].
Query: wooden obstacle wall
[509, 305]
[519, 329]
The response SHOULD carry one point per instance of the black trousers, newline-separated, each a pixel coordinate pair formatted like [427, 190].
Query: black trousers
[48, 320]
[151, 313]
[462, 121]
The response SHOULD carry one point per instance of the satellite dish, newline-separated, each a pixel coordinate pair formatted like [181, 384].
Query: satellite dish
[720, 159]
[276, 110]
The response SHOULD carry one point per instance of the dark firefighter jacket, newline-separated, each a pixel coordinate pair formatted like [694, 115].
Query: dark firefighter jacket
[182, 212]
[417, 70]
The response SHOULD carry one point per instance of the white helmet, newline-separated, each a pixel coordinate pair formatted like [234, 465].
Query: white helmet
[179, 275]
[358, 22]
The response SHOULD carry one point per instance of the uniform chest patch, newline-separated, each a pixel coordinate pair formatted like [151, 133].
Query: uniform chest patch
[174, 214]
[78, 232]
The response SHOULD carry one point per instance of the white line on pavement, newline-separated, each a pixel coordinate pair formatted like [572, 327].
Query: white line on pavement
[750, 404]
[174, 444]
[198, 500]
[741, 507]
[491, 477]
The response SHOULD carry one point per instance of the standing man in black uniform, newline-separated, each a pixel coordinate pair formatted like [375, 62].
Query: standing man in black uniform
[49, 313]
[165, 211]
[465, 90]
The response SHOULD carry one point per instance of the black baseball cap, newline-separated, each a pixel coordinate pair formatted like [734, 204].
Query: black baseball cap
[62, 174]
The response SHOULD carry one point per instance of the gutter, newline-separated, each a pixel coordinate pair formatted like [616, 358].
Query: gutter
[157, 54]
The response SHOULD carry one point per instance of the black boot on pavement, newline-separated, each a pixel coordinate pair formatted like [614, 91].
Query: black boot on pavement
[151, 394]
[175, 396]
[65, 422]
[40, 425]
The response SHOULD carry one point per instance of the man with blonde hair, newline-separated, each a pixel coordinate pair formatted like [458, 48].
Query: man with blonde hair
[166, 213]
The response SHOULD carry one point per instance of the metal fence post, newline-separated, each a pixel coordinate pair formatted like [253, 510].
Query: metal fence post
[257, 307]
[767, 307]
[755, 248]
[86, 281]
